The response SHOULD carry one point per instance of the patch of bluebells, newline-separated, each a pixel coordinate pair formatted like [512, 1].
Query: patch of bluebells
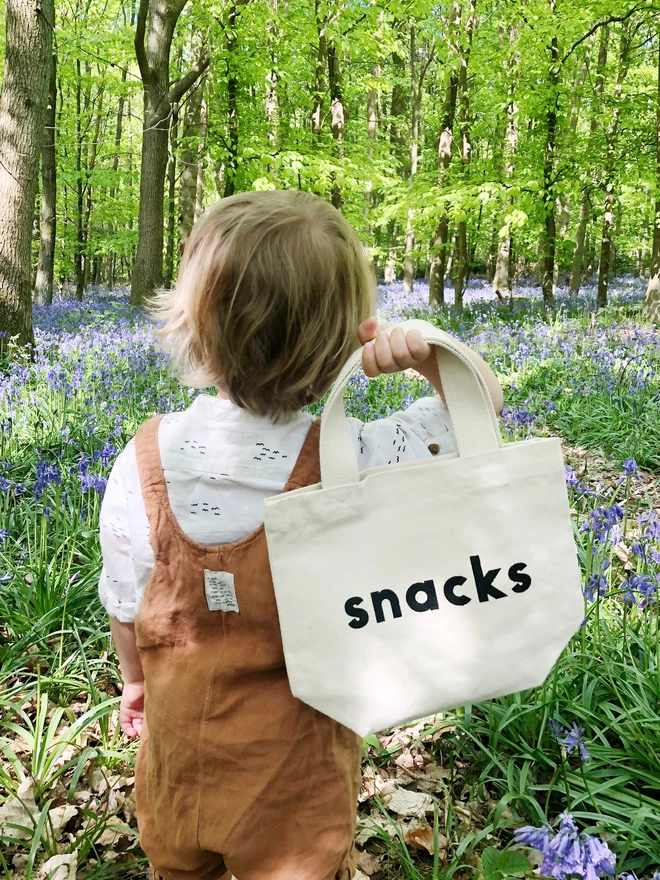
[47, 474]
[568, 853]
[604, 524]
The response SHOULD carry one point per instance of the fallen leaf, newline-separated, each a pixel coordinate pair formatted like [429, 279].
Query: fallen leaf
[369, 828]
[113, 832]
[422, 837]
[62, 867]
[406, 803]
[60, 817]
[98, 781]
[13, 812]
[367, 863]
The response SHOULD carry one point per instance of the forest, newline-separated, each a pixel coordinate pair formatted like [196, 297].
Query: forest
[514, 141]
[500, 162]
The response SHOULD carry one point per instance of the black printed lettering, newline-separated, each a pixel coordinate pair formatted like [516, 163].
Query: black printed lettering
[450, 595]
[523, 581]
[430, 602]
[359, 615]
[484, 582]
[378, 599]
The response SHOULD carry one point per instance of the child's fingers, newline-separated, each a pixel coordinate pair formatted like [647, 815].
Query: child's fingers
[417, 346]
[400, 351]
[128, 729]
[384, 356]
[367, 330]
[369, 364]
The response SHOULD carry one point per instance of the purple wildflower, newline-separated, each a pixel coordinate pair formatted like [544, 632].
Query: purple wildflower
[630, 467]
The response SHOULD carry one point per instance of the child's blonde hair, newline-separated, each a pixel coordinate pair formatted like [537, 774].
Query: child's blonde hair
[271, 290]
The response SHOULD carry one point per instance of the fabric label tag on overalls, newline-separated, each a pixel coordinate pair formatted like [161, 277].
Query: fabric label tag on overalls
[220, 591]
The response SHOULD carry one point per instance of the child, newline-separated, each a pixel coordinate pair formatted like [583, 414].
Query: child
[234, 775]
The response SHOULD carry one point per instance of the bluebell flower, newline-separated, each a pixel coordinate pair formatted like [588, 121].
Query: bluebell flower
[4, 534]
[630, 466]
[6, 578]
[93, 482]
[596, 585]
[537, 838]
[637, 549]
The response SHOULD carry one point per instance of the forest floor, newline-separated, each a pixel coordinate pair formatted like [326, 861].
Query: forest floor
[440, 798]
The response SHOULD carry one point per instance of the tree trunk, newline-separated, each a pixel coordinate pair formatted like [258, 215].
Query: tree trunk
[201, 158]
[415, 104]
[189, 158]
[273, 37]
[321, 65]
[577, 270]
[23, 101]
[78, 259]
[438, 264]
[372, 129]
[606, 249]
[462, 263]
[171, 203]
[156, 22]
[502, 277]
[231, 163]
[90, 166]
[112, 257]
[651, 309]
[549, 196]
[45, 272]
[336, 117]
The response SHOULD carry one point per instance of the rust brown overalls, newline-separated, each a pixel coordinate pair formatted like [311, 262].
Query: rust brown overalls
[234, 775]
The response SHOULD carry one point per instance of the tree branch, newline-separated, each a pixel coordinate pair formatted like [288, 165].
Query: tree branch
[613, 19]
[145, 70]
[186, 82]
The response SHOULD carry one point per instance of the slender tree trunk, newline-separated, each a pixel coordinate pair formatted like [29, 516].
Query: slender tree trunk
[372, 129]
[438, 263]
[189, 158]
[90, 166]
[549, 195]
[415, 106]
[273, 37]
[156, 22]
[171, 203]
[337, 117]
[79, 255]
[231, 164]
[112, 257]
[652, 301]
[462, 263]
[585, 206]
[46, 267]
[502, 279]
[398, 108]
[201, 158]
[321, 66]
[606, 249]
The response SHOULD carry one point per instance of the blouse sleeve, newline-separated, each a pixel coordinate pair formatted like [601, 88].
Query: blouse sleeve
[117, 585]
[423, 430]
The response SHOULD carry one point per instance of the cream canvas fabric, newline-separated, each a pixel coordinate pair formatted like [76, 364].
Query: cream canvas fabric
[411, 589]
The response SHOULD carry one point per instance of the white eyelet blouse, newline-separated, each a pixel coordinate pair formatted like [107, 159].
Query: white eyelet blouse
[220, 462]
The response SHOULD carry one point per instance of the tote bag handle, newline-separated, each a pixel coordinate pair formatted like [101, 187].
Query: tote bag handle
[468, 400]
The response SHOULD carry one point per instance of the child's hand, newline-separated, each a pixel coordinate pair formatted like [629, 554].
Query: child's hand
[131, 709]
[383, 353]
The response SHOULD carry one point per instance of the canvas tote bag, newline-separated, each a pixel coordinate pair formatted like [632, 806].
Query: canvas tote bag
[411, 589]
